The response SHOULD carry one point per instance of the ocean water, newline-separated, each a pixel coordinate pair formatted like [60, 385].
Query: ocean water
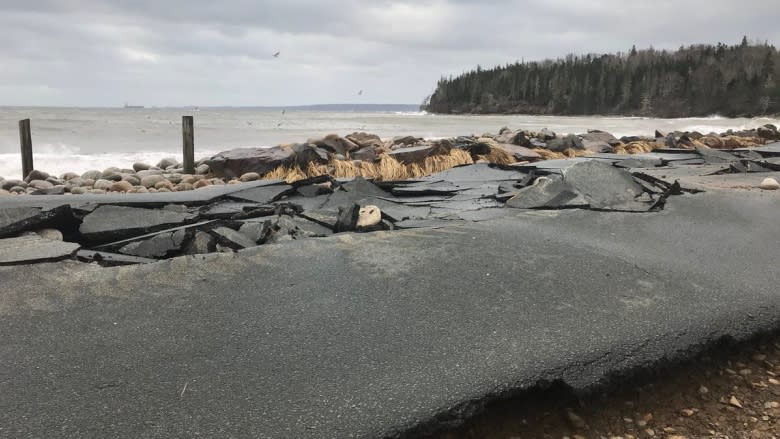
[80, 139]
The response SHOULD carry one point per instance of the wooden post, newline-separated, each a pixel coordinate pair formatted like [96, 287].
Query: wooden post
[25, 139]
[188, 136]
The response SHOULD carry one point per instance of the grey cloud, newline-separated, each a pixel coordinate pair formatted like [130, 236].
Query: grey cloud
[177, 52]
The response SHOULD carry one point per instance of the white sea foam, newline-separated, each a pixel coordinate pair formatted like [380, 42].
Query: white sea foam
[56, 163]
[412, 113]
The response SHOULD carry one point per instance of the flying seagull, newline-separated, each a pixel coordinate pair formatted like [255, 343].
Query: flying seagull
[276, 55]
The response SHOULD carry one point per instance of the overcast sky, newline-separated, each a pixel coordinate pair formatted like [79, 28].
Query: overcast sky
[219, 52]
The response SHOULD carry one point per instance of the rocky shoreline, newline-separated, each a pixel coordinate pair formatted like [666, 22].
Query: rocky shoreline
[368, 156]
[275, 201]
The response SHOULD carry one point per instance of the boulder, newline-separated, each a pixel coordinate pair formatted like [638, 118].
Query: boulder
[36, 175]
[249, 176]
[121, 186]
[597, 146]
[103, 184]
[152, 180]
[8, 184]
[714, 142]
[546, 135]
[769, 184]
[369, 216]
[92, 175]
[40, 184]
[365, 154]
[768, 132]
[520, 138]
[336, 144]
[520, 153]
[191, 179]
[599, 141]
[167, 163]
[139, 166]
[563, 143]
[164, 185]
[237, 162]
[536, 143]
[406, 140]
[55, 181]
[305, 153]
[4, 192]
[78, 190]
[184, 187]
[201, 183]
[112, 174]
[417, 154]
[364, 140]
[142, 174]
[68, 176]
[174, 178]
[132, 179]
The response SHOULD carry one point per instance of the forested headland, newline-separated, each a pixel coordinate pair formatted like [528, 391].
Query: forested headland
[699, 80]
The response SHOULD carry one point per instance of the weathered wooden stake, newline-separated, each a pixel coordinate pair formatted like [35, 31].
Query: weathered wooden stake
[25, 139]
[188, 135]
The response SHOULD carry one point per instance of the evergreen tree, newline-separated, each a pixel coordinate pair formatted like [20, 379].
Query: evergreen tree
[693, 81]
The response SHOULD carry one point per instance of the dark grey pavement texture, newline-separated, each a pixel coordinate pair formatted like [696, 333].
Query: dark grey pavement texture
[371, 335]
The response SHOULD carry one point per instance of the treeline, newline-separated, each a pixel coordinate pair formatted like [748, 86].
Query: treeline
[700, 80]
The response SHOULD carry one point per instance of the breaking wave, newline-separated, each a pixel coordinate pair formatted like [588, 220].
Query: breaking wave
[412, 113]
[59, 159]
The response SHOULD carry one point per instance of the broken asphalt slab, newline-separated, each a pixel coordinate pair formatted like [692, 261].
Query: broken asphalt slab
[108, 223]
[32, 248]
[594, 184]
[771, 150]
[191, 198]
[14, 220]
[388, 333]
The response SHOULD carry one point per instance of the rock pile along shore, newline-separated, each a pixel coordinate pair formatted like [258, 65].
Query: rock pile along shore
[368, 156]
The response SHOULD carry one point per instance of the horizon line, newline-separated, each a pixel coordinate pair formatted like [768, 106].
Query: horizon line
[131, 107]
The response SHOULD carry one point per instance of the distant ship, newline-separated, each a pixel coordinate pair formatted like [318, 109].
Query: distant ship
[133, 106]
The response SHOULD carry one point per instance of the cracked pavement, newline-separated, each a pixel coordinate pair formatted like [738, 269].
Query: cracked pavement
[388, 334]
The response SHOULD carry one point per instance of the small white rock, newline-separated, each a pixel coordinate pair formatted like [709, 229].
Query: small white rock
[369, 216]
[769, 184]
[50, 234]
